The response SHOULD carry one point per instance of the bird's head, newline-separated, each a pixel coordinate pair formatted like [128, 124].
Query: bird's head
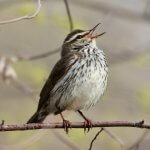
[80, 38]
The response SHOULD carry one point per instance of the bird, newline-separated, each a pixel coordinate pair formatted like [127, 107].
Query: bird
[77, 81]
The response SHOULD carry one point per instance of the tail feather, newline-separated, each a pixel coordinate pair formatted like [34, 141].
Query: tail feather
[37, 118]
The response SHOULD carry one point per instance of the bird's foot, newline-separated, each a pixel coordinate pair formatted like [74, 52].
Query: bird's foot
[66, 125]
[88, 125]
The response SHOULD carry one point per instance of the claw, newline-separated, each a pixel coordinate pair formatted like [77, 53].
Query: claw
[88, 125]
[66, 125]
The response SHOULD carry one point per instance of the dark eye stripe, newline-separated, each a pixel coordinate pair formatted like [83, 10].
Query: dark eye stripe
[81, 36]
[75, 35]
[75, 32]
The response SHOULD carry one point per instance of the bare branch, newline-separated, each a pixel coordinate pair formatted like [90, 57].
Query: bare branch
[40, 56]
[69, 15]
[24, 17]
[34, 126]
[91, 144]
[48, 53]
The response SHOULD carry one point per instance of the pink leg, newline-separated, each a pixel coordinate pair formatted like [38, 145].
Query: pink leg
[66, 123]
[88, 123]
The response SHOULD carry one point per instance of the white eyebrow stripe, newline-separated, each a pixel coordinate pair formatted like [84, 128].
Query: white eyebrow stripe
[75, 36]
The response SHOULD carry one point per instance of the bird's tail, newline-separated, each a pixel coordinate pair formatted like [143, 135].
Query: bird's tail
[37, 118]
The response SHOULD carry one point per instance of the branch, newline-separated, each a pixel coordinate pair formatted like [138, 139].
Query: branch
[69, 15]
[34, 126]
[48, 53]
[91, 144]
[115, 138]
[40, 56]
[24, 17]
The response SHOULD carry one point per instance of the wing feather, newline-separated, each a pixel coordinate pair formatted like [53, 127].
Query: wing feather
[58, 72]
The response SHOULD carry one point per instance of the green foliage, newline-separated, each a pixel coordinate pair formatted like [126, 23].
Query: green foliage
[36, 74]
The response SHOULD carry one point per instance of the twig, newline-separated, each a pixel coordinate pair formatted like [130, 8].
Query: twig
[69, 15]
[42, 55]
[139, 141]
[46, 54]
[91, 144]
[34, 126]
[24, 17]
[115, 138]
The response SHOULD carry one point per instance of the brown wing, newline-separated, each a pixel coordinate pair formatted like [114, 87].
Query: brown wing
[59, 70]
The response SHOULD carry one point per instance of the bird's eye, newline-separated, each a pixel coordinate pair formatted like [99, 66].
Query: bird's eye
[79, 36]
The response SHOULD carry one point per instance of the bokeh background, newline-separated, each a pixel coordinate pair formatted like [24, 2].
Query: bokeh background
[127, 47]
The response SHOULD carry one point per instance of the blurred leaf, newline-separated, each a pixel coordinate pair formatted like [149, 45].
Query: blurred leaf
[62, 22]
[143, 96]
[34, 73]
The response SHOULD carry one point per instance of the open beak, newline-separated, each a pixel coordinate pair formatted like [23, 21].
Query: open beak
[91, 31]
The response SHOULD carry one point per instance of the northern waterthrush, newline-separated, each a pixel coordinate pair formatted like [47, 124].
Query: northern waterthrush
[77, 81]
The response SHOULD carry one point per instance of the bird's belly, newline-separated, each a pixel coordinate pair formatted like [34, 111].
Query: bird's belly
[88, 90]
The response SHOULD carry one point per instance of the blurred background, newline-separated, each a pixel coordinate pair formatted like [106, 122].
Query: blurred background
[127, 48]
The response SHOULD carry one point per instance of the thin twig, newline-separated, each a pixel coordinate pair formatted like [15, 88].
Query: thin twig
[115, 138]
[42, 55]
[34, 126]
[91, 144]
[24, 17]
[46, 54]
[69, 15]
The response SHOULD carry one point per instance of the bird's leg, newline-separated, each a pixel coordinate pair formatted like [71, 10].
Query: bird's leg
[88, 123]
[66, 123]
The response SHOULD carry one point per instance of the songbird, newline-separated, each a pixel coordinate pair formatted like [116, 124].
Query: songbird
[77, 81]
